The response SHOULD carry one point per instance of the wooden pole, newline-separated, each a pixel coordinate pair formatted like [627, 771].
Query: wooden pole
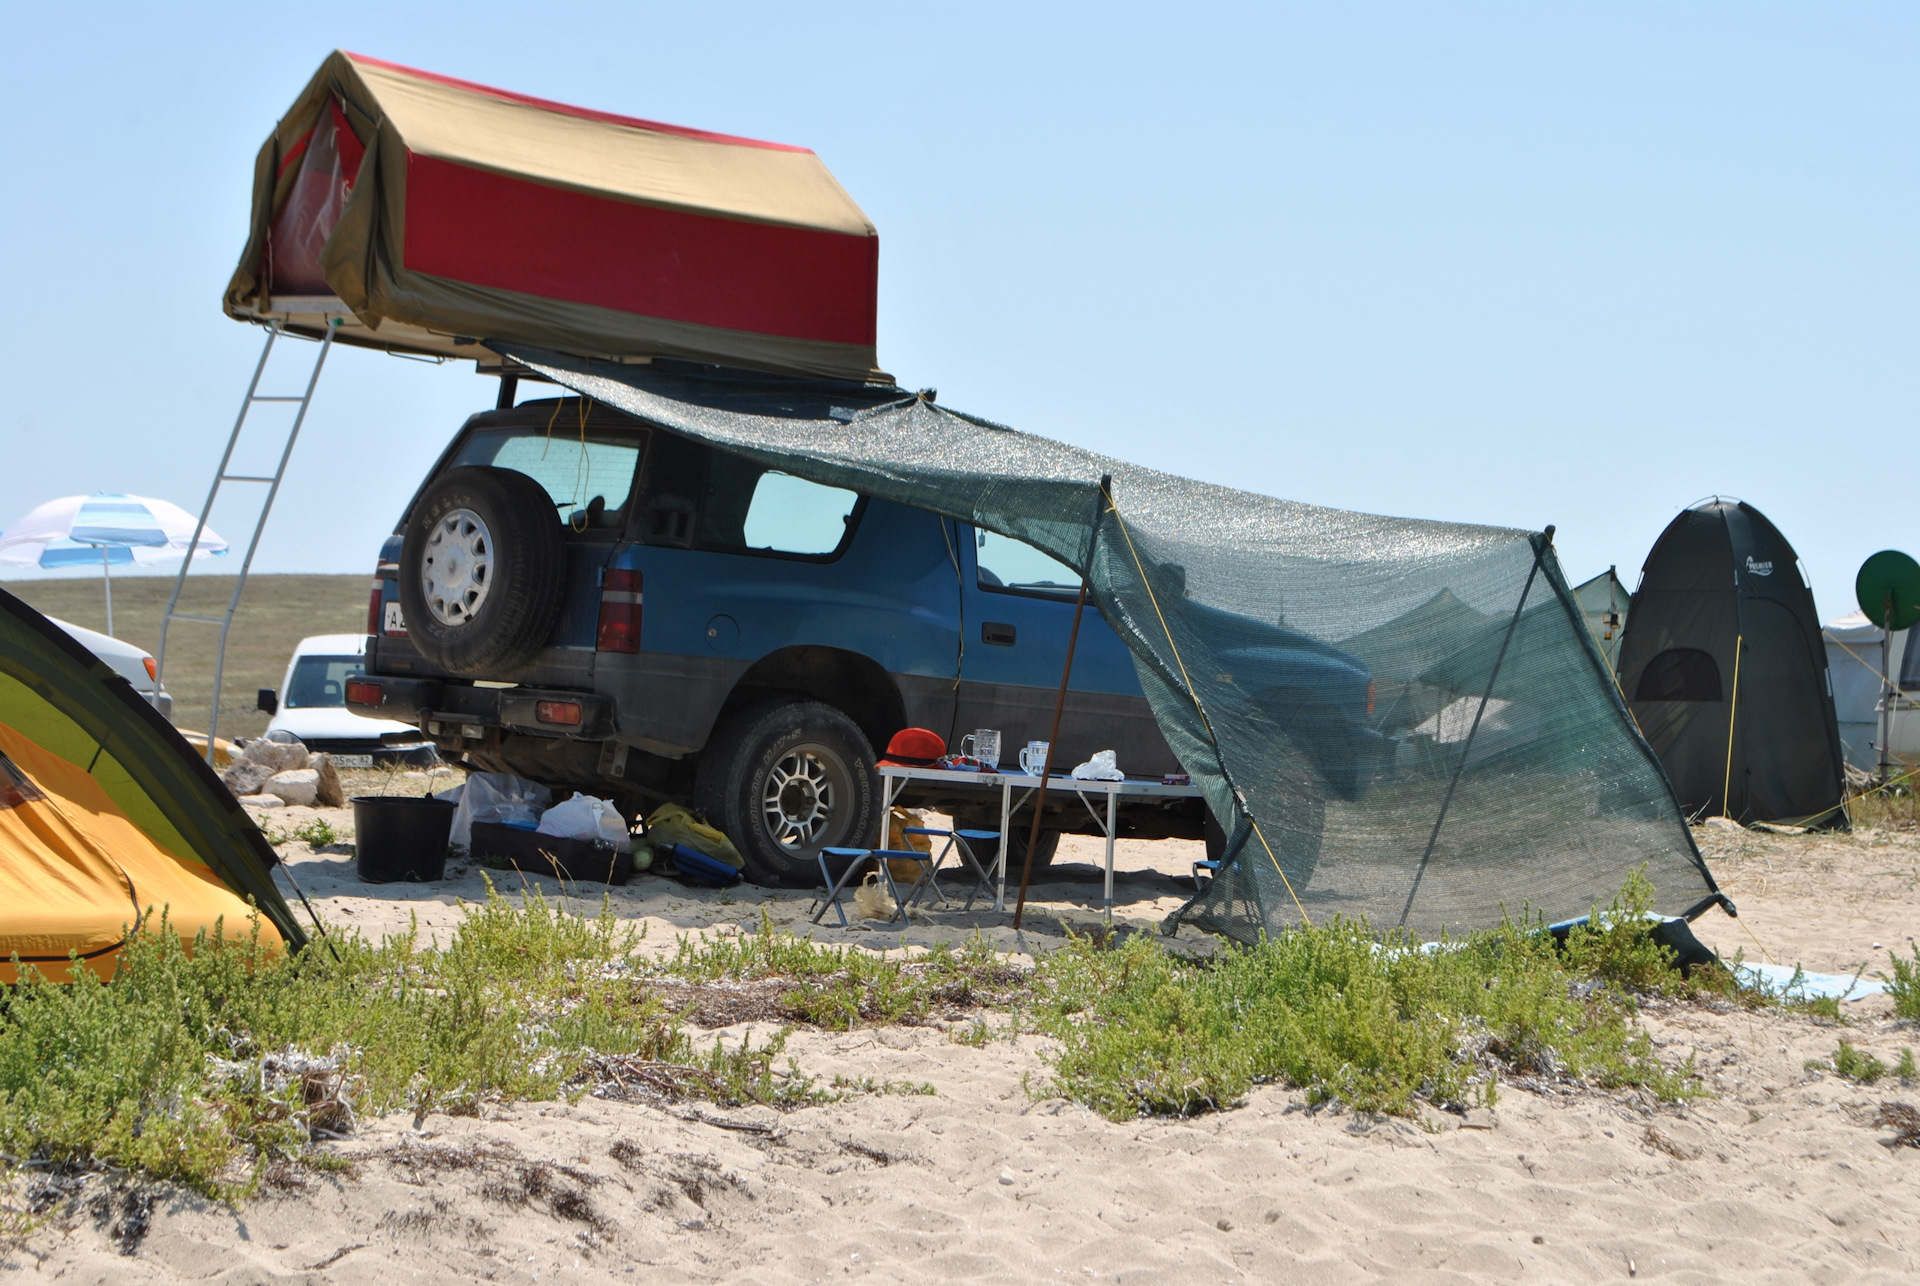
[1059, 707]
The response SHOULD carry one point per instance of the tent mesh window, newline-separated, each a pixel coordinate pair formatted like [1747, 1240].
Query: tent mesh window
[1396, 720]
[1680, 674]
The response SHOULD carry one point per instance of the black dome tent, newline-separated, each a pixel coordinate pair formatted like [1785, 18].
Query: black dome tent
[1723, 666]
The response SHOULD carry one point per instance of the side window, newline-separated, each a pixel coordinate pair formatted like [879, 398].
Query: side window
[1014, 566]
[751, 508]
[1680, 674]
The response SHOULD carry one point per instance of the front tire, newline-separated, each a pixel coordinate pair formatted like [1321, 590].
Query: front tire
[784, 780]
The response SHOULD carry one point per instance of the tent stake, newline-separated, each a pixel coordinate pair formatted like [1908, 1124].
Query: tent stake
[1059, 707]
[1539, 553]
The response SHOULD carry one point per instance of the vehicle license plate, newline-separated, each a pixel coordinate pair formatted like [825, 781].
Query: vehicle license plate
[351, 761]
[393, 622]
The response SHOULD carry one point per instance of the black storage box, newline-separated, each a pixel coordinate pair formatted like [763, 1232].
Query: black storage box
[506, 848]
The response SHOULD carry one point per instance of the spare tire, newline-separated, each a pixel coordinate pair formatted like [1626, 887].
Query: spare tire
[483, 571]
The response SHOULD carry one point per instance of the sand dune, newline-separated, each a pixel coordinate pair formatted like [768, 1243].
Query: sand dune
[1780, 1177]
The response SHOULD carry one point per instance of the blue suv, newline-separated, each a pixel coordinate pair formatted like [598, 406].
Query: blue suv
[594, 603]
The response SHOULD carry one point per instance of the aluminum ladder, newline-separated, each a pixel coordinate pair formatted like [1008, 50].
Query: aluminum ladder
[220, 475]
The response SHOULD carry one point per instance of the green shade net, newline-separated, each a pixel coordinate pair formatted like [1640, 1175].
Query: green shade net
[1493, 767]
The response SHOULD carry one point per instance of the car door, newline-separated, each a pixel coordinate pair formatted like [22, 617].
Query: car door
[1019, 606]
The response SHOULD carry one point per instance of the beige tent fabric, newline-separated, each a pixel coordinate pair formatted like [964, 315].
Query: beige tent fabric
[395, 112]
[766, 184]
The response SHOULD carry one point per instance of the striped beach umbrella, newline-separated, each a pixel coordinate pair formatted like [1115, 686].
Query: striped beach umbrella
[107, 529]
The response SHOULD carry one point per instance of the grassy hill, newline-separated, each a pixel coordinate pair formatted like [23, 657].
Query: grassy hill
[275, 613]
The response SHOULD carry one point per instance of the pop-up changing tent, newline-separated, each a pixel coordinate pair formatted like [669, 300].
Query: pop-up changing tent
[1292, 654]
[1725, 668]
[437, 212]
[107, 816]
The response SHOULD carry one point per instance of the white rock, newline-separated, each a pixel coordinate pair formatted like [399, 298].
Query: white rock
[1006, 1177]
[263, 801]
[280, 756]
[296, 786]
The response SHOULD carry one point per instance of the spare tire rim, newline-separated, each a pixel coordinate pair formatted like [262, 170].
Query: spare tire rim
[456, 570]
[799, 799]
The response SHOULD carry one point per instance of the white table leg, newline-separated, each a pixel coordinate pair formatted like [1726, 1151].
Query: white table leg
[890, 788]
[1006, 820]
[1112, 795]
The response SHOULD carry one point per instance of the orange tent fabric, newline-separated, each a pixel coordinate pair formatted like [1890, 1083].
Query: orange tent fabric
[77, 876]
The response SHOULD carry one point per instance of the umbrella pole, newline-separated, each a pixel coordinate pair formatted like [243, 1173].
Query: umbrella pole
[106, 578]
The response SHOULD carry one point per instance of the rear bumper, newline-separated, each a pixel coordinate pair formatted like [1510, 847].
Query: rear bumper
[444, 710]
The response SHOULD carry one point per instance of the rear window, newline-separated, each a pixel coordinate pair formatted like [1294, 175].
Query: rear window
[588, 473]
[322, 680]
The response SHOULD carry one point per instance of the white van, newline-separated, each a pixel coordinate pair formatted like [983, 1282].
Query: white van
[126, 660]
[314, 706]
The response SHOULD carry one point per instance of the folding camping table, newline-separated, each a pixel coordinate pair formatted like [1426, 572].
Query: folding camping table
[894, 779]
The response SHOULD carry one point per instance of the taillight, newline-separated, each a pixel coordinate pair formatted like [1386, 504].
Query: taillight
[1369, 696]
[373, 608]
[567, 712]
[362, 693]
[619, 613]
[153, 671]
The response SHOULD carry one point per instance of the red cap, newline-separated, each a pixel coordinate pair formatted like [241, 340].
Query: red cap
[914, 748]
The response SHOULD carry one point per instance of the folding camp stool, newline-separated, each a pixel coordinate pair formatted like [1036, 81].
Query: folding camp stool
[884, 857]
[961, 842]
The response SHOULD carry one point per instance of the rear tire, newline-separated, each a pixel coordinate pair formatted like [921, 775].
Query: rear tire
[483, 571]
[785, 779]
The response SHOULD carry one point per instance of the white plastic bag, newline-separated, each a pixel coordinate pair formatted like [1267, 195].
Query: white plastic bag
[496, 797]
[587, 818]
[1102, 767]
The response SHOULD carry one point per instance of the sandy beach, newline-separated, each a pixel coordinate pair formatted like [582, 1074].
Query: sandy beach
[1780, 1176]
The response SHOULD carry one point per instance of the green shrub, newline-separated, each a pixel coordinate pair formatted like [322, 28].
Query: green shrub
[170, 1067]
[1379, 1026]
[1856, 1064]
[1904, 985]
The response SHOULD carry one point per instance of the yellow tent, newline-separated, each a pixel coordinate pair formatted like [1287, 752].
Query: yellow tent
[107, 818]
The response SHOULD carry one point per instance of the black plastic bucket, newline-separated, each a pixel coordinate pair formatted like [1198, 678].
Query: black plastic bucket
[400, 837]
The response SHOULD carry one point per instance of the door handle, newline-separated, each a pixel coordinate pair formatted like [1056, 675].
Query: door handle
[996, 633]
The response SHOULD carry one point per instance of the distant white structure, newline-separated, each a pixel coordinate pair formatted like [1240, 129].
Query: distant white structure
[1853, 661]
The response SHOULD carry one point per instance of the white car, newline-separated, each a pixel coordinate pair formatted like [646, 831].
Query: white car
[314, 705]
[127, 661]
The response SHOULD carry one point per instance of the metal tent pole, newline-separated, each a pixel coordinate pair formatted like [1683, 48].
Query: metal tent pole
[1466, 751]
[1059, 706]
[106, 578]
[1886, 685]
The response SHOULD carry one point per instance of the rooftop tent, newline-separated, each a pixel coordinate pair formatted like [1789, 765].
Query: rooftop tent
[1725, 669]
[427, 213]
[106, 814]
[1223, 596]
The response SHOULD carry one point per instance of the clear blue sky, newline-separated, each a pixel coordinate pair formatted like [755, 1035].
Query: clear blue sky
[1508, 263]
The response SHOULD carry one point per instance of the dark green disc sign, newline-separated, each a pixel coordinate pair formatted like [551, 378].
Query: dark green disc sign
[1890, 579]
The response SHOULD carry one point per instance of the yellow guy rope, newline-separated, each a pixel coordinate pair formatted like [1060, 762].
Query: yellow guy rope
[1195, 698]
[1733, 709]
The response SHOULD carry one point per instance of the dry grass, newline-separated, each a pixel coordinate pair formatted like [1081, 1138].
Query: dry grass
[275, 614]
